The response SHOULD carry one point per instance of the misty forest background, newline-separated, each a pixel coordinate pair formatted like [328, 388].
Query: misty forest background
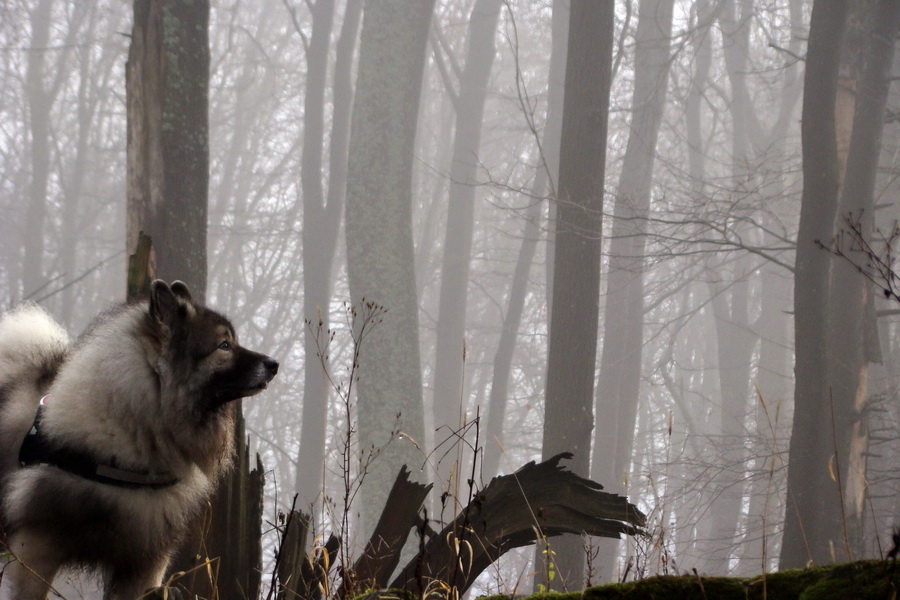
[645, 254]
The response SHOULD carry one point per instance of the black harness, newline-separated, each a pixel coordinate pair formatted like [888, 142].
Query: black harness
[38, 450]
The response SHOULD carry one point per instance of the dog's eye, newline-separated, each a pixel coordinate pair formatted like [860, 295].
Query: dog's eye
[226, 345]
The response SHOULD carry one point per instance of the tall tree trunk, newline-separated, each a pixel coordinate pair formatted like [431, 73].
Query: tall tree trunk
[731, 307]
[73, 180]
[623, 338]
[167, 86]
[321, 221]
[544, 185]
[380, 263]
[696, 154]
[448, 403]
[568, 409]
[769, 403]
[854, 343]
[813, 521]
[40, 102]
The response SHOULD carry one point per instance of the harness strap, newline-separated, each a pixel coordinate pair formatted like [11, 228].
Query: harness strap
[38, 450]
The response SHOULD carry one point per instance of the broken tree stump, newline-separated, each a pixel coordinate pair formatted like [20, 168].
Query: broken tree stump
[382, 553]
[537, 501]
[302, 574]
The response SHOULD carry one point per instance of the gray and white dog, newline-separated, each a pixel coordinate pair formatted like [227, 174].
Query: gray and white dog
[110, 445]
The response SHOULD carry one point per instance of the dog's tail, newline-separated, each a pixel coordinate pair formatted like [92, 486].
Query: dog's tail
[32, 348]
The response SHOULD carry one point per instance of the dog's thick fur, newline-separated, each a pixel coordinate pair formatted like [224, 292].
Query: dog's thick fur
[148, 390]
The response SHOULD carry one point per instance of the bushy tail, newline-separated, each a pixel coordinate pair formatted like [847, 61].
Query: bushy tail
[32, 348]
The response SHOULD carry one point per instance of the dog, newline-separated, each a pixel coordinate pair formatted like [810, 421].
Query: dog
[110, 445]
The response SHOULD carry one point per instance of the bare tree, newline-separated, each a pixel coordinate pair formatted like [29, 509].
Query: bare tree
[322, 214]
[568, 409]
[167, 87]
[379, 236]
[854, 343]
[448, 402]
[544, 186]
[813, 521]
[623, 322]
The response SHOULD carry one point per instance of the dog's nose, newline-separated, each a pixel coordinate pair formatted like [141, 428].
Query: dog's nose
[271, 366]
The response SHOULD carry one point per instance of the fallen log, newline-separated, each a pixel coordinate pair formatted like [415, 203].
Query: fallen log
[536, 502]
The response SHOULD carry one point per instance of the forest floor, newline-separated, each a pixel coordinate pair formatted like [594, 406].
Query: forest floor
[862, 580]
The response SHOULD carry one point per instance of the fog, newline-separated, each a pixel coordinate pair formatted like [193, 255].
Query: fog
[337, 179]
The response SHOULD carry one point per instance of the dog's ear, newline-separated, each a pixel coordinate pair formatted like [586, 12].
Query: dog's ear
[180, 289]
[164, 305]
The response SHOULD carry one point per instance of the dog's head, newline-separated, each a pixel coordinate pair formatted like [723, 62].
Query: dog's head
[201, 349]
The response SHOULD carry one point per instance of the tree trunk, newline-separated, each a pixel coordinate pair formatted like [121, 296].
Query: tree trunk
[813, 521]
[568, 410]
[448, 402]
[39, 104]
[731, 307]
[544, 186]
[167, 88]
[321, 221]
[623, 338]
[223, 559]
[854, 343]
[380, 265]
[73, 179]
[167, 94]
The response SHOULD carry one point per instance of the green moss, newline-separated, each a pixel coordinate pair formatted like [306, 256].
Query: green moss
[863, 580]
[784, 584]
[868, 579]
[672, 588]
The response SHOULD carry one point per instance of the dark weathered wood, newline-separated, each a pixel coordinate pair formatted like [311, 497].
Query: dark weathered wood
[141, 269]
[292, 559]
[514, 510]
[382, 553]
[302, 574]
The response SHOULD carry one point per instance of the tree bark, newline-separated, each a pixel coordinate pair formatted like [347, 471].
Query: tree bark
[167, 95]
[813, 521]
[544, 186]
[321, 222]
[223, 558]
[854, 343]
[379, 238]
[730, 293]
[619, 379]
[448, 402]
[383, 550]
[568, 409]
[40, 101]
